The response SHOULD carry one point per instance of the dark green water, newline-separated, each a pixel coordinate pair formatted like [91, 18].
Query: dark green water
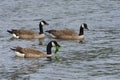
[98, 58]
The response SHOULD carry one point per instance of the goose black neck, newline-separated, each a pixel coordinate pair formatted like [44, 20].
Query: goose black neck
[41, 29]
[49, 46]
[81, 32]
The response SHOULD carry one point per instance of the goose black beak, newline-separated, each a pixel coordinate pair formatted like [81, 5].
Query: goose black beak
[87, 28]
[46, 23]
[58, 45]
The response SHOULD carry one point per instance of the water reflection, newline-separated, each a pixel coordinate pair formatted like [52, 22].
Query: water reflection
[24, 69]
[98, 57]
[41, 41]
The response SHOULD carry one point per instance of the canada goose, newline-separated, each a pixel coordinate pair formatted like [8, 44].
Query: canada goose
[31, 53]
[69, 34]
[28, 34]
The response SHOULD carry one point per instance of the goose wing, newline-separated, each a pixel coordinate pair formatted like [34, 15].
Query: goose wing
[68, 32]
[21, 32]
[29, 52]
[62, 32]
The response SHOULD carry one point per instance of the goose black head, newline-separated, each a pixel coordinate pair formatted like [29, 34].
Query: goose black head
[84, 25]
[54, 44]
[43, 23]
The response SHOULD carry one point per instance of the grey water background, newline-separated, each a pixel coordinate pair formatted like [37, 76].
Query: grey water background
[97, 58]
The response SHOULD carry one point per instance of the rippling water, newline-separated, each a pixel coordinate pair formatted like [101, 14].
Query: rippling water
[98, 58]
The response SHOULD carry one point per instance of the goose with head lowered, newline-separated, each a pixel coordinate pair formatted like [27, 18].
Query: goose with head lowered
[69, 34]
[28, 34]
[31, 53]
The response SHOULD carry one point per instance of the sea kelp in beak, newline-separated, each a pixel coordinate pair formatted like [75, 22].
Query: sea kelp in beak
[56, 50]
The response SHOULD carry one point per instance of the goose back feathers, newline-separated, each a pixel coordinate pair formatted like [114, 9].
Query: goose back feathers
[68, 34]
[31, 53]
[28, 34]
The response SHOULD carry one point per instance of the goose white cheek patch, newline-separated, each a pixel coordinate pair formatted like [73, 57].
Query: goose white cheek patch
[53, 44]
[42, 23]
[82, 25]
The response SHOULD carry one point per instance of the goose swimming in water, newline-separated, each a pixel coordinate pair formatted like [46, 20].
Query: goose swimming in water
[31, 53]
[28, 34]
[69, 34]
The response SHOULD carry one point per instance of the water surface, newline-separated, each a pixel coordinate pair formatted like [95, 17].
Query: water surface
[97, 58]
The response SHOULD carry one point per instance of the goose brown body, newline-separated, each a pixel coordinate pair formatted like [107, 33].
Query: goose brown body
[68, 34]
[65, 34]
[31, 53]
[28, 34]
[62, 32]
